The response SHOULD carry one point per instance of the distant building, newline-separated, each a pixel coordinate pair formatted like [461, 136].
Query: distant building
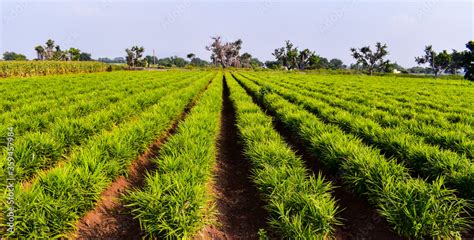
[396, 71]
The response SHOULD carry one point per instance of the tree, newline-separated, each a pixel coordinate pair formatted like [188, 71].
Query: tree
[225, 54]
[245, 60]
[151, 59]
[40, 52]
[172, 62]
[74, 54]
[49, 50]
[287, 56]
[85, 56]
[336, 64]
[199, 62]
[272, 64]
[438, 62]
[468, 61]
[12, 56]
[255, 63]
[134, 56]
[371, 61]
[303, 58]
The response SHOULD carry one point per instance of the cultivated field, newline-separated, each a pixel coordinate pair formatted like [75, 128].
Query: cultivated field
[236, 154]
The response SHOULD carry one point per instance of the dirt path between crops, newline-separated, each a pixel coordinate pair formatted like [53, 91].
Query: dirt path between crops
[110, 219]
[359, 219]
[240, 211]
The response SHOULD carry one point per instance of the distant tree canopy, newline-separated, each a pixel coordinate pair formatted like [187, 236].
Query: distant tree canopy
[12, 56]
[272, 64]
[449, 62]
[172, 62]
[438, 62]
[197, 62]
[51, 51]
[115, 60]
[151, 59]
[134, 57]
[290, 57]
[468, 61]
[372, 61]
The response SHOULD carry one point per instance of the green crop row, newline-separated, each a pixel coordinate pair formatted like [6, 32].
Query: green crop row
[300, 206]
[445, 105]
[53, 202]
[430, 161]
[413, 207]
[36, 68]
[46, 110]
[455, 139]
[409, 110]
[41, 150]
[175, 202]
[449, 96]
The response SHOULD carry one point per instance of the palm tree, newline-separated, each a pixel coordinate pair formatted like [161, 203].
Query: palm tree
[40, 52]
[49, 49]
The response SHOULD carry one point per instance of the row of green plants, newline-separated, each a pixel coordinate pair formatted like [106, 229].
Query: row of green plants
[39, 68]
[51, 204]
[426, 94]
[427, 160]
[456, 137]
[35, 151]
[83, 104]
[422, 96]
[175, 202]
[413, 207]
[300, 205]
[409, 110]
[37, 95]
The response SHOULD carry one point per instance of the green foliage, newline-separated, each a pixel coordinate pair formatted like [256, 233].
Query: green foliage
[369, 173]
[371, 61]
[54, 200]
[172, 62]
[300, 205]
[175, 202]
[12, 56]
[39, 68]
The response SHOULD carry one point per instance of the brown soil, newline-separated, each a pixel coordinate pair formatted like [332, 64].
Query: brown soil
[110, 219]
[240, 211]
[359, 219]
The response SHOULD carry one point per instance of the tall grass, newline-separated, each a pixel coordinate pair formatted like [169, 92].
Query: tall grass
[39, 68]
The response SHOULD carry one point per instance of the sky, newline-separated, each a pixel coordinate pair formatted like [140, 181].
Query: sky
[105, 28]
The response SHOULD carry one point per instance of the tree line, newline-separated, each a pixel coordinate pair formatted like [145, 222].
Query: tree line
[289, 57]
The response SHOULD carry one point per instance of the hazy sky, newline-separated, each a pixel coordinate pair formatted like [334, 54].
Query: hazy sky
[106, 27]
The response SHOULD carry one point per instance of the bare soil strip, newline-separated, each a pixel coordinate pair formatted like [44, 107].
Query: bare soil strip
[359, 219]
[240, 211]
[110, 219]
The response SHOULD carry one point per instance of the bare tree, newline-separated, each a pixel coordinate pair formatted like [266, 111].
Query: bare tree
[225, 54]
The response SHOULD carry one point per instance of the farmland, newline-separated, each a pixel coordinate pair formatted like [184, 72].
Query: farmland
[237, 154]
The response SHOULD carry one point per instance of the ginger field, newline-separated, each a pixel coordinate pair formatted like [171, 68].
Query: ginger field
[193, 154]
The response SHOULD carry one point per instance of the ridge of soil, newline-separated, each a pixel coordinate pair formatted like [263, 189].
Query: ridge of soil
[110, 219]
[240, 212]
[359, 219]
